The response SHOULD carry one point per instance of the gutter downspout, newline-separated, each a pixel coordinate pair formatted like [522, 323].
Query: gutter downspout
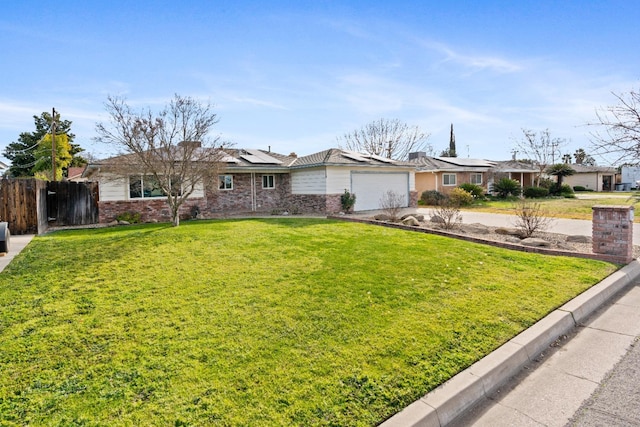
[253, 191]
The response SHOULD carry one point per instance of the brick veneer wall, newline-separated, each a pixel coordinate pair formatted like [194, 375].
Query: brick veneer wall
[149, 209]
[612, 232]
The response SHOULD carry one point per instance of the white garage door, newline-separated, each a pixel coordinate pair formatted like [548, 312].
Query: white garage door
[370, 187]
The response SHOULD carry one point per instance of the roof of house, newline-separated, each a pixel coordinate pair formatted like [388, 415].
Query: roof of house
[75, 172]
[451, 164]
[339, 157]
[593, 169]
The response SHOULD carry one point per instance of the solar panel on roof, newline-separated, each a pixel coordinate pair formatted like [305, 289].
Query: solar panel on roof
[258, 157]
[380, 158]
[354, 156]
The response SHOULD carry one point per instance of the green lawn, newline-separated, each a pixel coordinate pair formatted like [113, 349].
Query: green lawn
[257, 322]
[555, 207]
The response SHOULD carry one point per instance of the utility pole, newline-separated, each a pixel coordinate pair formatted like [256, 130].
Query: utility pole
[53, 145]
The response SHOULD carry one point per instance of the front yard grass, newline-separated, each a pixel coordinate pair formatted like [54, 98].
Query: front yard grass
[257, 322]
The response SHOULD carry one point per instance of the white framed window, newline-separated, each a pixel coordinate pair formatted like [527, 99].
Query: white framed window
[148, 187]
[268, 181]
[449, 179]
[476, 178]
[225, 182]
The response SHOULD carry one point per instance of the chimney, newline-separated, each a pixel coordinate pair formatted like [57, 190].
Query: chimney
[293, 154]
[417, 155]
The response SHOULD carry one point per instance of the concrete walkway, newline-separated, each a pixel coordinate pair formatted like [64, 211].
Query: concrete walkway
[16, 245]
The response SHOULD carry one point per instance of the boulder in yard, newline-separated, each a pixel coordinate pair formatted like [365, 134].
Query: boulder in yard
[508, 231]
[513, 239]
[382, 217]
[475, 228]
[411, 221]
[535, 242]
[437, 219]
[578, 239]
[419, 217]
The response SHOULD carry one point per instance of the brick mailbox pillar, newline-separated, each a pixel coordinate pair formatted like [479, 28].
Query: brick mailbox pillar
[612, 232]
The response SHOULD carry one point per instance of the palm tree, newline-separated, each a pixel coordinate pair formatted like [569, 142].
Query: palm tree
[559, 170]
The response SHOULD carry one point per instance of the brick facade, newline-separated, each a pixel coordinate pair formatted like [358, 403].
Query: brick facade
[612, 232]
[243, 198]
[149, 209]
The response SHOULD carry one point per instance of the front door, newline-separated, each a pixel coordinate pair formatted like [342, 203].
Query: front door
[606, 182]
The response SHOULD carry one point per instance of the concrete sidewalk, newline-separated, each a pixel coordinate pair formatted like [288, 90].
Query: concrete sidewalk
[542, 376]
[16, 244]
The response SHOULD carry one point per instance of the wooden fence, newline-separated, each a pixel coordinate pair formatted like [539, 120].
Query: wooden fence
[30, 206]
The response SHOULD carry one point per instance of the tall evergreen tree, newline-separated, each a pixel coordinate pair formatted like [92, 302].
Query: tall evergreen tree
[22, 153]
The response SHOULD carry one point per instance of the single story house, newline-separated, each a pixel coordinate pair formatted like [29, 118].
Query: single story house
[259, 181]
[443, 174]
[596, 178]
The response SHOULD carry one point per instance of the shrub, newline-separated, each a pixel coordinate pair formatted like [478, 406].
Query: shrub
[567, 191]
[477, 191]
[391, 204]
[506, 187]
[448, 215]
[530, 218]
[347, 200]
[459, 197]
[130, 217]
[535, 192]
[432, 197]
[579, 188]
[546, 183]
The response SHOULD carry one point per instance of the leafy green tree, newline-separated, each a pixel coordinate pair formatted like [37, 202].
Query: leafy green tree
[582, 158]
[559, 170]
[42, 154]
[22, 153]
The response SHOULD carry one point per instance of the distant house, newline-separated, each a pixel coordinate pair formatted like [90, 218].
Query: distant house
[596, 178]
[259, 181]
[443, 174]
[74, 174]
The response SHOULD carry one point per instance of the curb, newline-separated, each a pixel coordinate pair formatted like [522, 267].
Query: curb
[449, 400]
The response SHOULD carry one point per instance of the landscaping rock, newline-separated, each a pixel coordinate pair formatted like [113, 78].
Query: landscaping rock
[418, 217]
[437, 219]
[535, 242]
[382, 217]
[507, 231]
[411, 221]
[578, 239]
[122, 222]
[512, 239]
[565, 247]
[114, 222]
[475, 228]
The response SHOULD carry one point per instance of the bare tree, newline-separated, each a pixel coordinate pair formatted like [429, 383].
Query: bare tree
[540, 148]
[531, 218]
[620, 139]
[392, 139]
[391, 203]
[172, 147]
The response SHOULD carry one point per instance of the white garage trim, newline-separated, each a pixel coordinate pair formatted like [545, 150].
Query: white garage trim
[370, 187]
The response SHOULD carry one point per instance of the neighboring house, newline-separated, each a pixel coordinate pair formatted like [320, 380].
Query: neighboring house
[523, 172]
[596, 178]
[258, 181]
[443, 174]
[74, 174]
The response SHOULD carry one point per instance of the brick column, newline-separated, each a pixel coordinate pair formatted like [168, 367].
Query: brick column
[612, 232]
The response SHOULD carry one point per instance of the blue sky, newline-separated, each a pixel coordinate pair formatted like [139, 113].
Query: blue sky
[296, 75]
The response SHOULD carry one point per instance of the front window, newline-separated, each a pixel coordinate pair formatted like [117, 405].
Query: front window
[144, 187]
[476, 178]
[268, 181]
[225, 182]
[449, 179]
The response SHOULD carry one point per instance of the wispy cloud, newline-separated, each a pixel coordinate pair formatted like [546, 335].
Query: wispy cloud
[473, 62]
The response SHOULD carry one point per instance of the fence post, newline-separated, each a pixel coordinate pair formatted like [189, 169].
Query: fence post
[612, 232]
